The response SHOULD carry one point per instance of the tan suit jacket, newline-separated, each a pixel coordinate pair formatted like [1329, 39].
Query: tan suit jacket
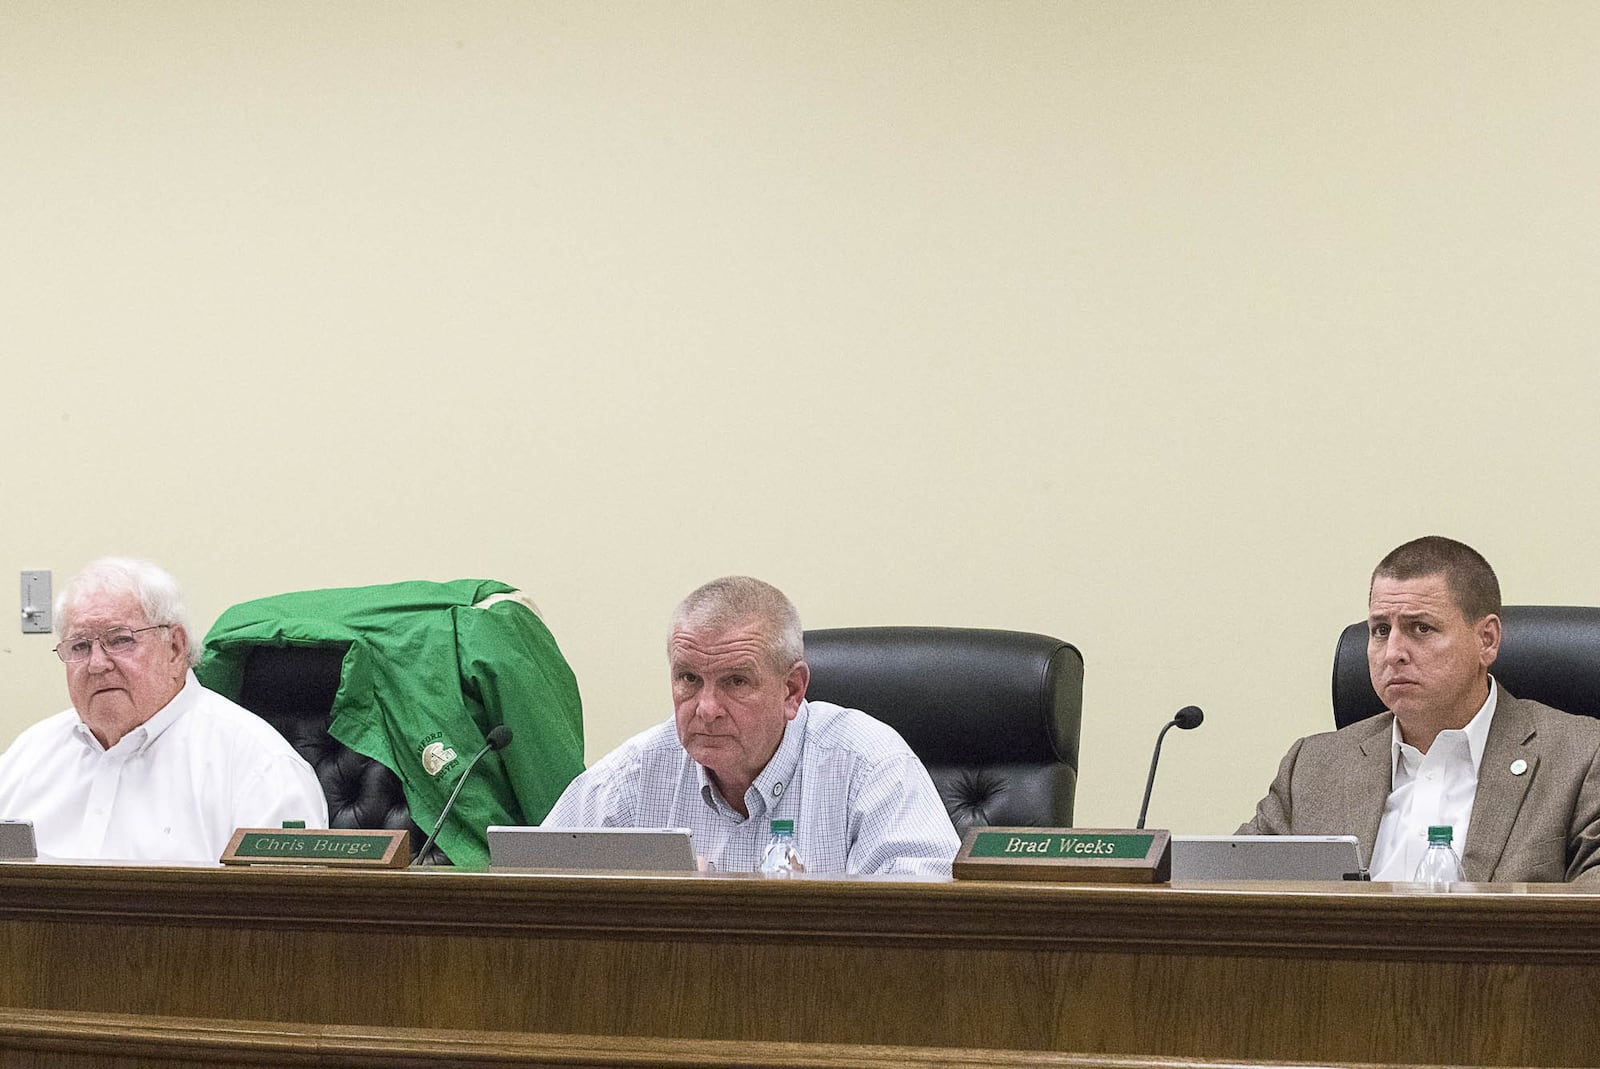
[1542, 826]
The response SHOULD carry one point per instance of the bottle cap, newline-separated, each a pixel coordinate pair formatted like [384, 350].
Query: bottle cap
[1440, 833]
[783, 827]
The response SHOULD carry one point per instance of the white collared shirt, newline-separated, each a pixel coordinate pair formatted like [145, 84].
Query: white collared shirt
[1436, 787]
[173, 789]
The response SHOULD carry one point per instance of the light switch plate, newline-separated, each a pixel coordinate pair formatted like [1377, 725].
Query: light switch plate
[35, 602]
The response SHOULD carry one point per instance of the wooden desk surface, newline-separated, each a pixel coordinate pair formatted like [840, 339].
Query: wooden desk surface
[1348, 973]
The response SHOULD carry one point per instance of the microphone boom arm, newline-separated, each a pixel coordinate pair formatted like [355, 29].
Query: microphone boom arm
[1188, 717]
[499, 737]
[1150, 780]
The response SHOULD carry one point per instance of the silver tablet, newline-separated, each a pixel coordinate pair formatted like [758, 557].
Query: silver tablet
[591, 849]
[1265, 857]
[16, 841]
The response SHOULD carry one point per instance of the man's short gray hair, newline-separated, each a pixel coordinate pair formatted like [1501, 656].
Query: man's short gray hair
[156, 590]
[725, 603]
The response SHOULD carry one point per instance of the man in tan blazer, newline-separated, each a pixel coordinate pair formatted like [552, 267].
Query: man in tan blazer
[1519, 781]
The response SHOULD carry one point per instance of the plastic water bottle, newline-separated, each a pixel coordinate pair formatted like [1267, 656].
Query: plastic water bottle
[779, 858]
[1440, 867]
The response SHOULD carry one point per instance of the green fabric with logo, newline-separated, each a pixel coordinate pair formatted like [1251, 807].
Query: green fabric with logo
[425, 677]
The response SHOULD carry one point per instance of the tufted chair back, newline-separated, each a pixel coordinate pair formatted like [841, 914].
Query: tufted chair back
[292, 688]
[1548, 653]
[994, 715]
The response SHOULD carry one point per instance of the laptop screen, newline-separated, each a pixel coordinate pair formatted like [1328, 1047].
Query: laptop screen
[592, 849]
[1265, 857]
[16, 841]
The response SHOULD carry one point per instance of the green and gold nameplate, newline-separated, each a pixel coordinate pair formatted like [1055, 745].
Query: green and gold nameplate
[1066, 855]
[346, 847]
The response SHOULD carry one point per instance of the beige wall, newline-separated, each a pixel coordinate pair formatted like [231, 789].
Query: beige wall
[1147, 326]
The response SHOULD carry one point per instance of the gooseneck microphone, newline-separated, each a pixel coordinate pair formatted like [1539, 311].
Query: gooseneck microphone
[1187, 717]
[499, 738]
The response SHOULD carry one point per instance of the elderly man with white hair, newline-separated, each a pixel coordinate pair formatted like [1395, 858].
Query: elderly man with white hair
[147, 765]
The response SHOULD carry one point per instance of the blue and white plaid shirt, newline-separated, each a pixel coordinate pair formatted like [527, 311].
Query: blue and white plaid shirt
[860, 800]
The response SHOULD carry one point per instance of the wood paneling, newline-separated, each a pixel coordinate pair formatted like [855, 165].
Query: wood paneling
[112, 1041]
[1333, 973]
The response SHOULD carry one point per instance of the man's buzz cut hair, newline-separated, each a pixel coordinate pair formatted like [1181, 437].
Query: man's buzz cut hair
[732, 600]
[1468, 577]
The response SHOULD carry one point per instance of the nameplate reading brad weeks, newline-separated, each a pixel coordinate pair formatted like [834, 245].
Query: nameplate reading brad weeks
[347, 847]
[1066, 855]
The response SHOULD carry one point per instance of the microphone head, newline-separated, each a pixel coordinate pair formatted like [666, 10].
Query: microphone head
[1189, 717]
[499, 736]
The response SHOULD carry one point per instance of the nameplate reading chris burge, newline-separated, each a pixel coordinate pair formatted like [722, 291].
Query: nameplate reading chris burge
[1065, 855]
[344, 847]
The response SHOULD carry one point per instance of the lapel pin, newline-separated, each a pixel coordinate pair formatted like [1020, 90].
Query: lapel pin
[1518, 767]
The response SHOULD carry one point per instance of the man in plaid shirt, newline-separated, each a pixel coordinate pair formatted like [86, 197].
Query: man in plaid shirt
[745, 748]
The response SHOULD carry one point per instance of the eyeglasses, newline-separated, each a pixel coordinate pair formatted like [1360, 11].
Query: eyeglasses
[117, 642]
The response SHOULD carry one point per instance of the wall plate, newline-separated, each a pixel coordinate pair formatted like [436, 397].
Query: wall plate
[35, 603]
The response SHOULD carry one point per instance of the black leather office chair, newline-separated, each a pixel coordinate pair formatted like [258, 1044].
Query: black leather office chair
[1548, 653]
[994, 715]
[292, 688]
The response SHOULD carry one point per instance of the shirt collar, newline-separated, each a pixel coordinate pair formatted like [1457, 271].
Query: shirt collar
[144, 736]
[773, 780]
[1477, 732]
